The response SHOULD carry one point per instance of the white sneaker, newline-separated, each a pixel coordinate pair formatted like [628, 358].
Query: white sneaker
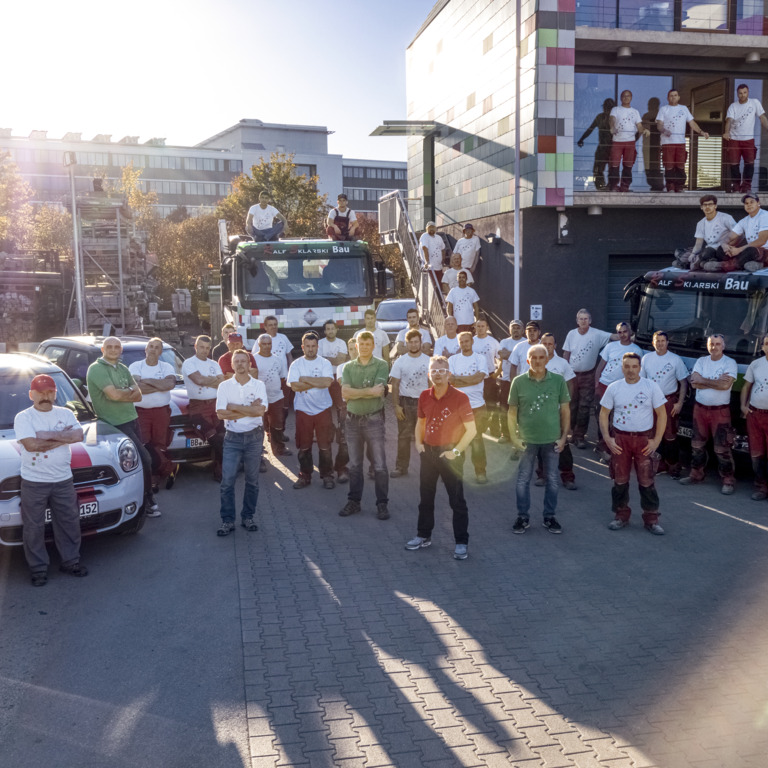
[153, 510]
[418, 542]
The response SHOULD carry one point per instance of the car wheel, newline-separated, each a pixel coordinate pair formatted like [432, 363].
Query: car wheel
[133, 526]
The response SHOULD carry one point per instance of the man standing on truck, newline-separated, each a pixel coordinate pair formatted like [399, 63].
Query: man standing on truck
[754, 228]
[739, 135]
[341, 223]
[260, 221]
[712, 378]
[754, 408]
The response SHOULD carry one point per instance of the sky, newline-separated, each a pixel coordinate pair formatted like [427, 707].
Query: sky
[187, 70]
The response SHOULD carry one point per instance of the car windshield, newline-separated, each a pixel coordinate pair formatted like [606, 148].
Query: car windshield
[14, 395]
[394, 311]
[168, 355]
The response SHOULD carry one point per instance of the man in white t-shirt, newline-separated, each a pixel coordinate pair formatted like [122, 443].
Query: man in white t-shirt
[484, 344]
[44, 433]
[272, 371]
[625, 122]
[739, 135]
[240, 404]
[518, 360]
[409, 378]
[341, 223]
[581, 349]
[260, 221]
[754, 229]
[448, 343]
[713, 378]
[310, 377]
[202, 377]
[433, 250]
[632, 440]
[671, 121]
[468, 247]
[380, 338]
[712, 232]
[281, 345]
[754, 408]
[451, 276]
[335, 351]
[156, 379]
[412, 316]
[463, 303]
[503, 368]
[468, 372]
[668, 370]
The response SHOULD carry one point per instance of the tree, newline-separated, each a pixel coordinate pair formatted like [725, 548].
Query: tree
[294, 195]
[15, 208]
[140, 202]
[178, 214]
[52, 230]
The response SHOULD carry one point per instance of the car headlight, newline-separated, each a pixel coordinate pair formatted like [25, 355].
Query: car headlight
[127, 455]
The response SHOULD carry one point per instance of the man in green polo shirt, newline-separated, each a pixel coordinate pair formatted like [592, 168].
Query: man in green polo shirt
[539, 410]
[113, 392]
[362, 386]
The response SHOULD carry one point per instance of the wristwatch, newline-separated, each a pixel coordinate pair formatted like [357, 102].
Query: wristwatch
[455, 452]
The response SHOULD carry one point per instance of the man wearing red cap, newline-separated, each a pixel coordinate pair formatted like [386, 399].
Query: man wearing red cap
[45, 432]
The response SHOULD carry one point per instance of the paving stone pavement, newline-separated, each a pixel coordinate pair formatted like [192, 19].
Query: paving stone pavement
[593, 648]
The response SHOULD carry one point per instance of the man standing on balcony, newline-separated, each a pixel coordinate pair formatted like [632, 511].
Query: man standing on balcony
[432, 250]
[671, 122]
[740, 137]
[625, 123]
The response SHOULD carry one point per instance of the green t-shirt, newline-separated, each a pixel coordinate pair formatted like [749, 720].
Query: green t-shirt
[538, 406]
[360, 376]
[101, 374]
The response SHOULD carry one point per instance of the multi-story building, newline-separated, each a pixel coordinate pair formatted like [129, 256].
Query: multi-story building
[578, 244]
[197, 177]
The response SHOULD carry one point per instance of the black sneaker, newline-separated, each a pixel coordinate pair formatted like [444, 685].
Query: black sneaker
[382, 513]
[520, 525]
[552, 525]
[226, 529]
[350, 508]
[249, 524]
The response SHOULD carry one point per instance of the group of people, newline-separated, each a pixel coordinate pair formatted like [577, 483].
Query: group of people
[620, 126]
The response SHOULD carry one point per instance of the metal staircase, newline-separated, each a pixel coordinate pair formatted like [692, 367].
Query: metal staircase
[395, 229]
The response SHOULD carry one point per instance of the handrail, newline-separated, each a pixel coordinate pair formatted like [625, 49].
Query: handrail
[395, 228]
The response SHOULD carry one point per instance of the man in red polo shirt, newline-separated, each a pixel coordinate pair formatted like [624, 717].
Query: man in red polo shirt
[444, 429]
[235, 342]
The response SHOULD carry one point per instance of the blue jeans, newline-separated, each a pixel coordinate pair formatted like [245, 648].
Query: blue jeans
[267, 235]
[362, 431]
[240, 449]
[525, 470]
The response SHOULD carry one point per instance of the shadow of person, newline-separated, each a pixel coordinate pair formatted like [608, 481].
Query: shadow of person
[604, 140]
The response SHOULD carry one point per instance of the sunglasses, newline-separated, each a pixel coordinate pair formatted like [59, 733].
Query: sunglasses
[441, 371]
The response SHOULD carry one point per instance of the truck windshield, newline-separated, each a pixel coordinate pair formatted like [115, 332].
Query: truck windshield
[301, 280]
[690, 317]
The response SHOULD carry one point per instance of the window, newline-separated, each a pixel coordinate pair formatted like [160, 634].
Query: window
[306, 170]
[401, 175]
[165, 161]
[121, 159]
[705, 15]
[235, 166]
[352, 172]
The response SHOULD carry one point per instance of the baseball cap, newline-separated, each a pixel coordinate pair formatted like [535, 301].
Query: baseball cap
[431, 224]
[750, 196]
[533, 324]
[517, 322]
[235, 337]
[43, 383]
[468, 226]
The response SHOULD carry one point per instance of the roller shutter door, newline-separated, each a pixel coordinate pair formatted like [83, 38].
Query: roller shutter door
[622, 269]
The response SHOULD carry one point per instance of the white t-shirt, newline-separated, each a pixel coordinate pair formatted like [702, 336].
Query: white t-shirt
[633, 404]
[413, 373]
[435, 246]
[232, 391]
[561, 366]
[314, 400]
[262, 217]
[281, 345]
[447, 347]
[333, 348]
[380, 340]
[627, 119]
[510, 344]
[206, 367]
[348, 213]
[426, 336]
[675, 119]
[52, 466]
[612, 353]
[585, 348]
[667, 370]
[488, 347]
[451, 277]
[462, 300]
[271, 370]
[744, 116]
[142, 370]
[757, 375]
[467, 248]
[519, 356]
[711, 369]
[752, 226]
[466, 365]
[711, 232]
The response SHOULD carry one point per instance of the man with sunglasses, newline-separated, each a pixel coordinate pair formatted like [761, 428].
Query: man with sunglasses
[445, 428]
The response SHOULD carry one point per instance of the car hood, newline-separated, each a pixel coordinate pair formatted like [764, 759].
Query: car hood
[392, 325]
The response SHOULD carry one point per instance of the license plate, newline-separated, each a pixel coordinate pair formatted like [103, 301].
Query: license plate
[87, 509]
[196, 442]
[685, 431]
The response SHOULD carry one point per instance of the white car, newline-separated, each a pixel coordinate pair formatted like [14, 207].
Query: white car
[105, 465]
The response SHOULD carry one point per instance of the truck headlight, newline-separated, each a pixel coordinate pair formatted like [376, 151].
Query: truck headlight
[127, 455]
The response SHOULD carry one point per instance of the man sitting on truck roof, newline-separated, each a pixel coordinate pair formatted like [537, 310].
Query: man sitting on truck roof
[341, 223]
[711, 233]
[260, 222]
[754, 228]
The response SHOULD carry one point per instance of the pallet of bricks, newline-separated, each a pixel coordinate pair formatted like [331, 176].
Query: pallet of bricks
[167, 327]
[17, 317]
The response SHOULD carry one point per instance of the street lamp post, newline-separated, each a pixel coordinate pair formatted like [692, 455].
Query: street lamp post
[70, 161]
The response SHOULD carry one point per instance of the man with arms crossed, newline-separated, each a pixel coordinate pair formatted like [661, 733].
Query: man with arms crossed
[444, 429]
[271, 370]
[754, 408]
[632, 441]
[334, 350]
